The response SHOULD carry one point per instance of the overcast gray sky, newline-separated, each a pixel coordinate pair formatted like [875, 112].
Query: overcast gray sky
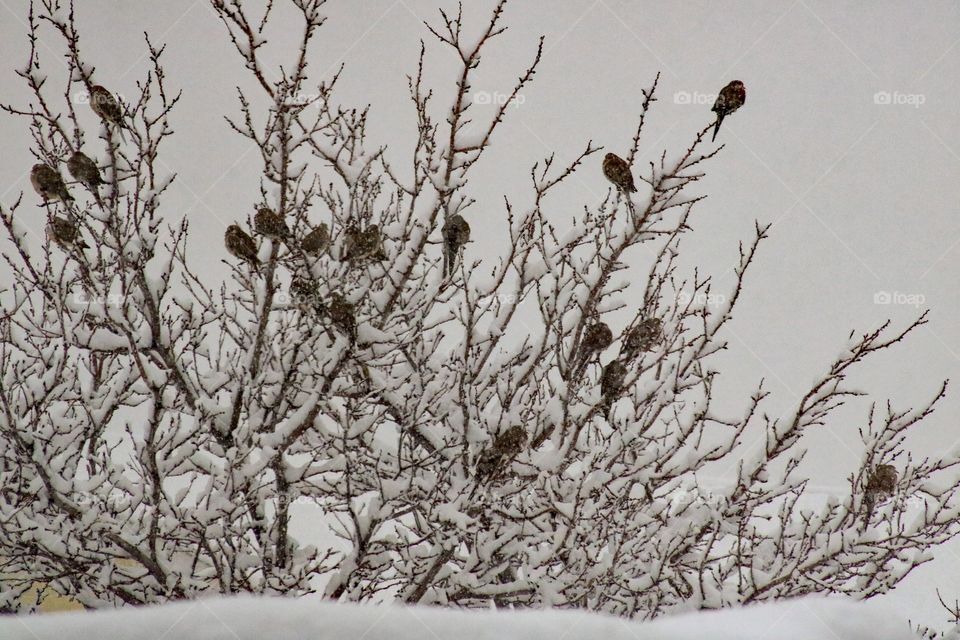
[848, 143]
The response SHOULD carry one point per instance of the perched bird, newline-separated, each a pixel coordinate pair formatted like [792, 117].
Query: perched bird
[617, 171]
[64, 232]
[642, 337]
[48, 183]
[304, 294]
[105, 105]
[611, 381]
[241, 245]
[456, 233]
[362, 246]
[317, 241]
[881, 484]
[85, 171]
[504, 448]
[269, 223]
[343, 315]
[730, 99]
[596, 338]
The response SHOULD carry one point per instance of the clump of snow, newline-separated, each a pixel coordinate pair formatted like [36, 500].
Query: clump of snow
[249, 618]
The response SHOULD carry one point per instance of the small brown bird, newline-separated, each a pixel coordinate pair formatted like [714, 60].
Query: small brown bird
[64, 232]
[617, 171]
[730, 98]
[505, 446]
[48, 183]
[881, 484]
[85, 171]
[343, 315]
[105, 105]
[456, 233]
[362, 246]
[317, 241]
[611, 381]
[268, 223]
[304, 294]
[241, 245]
[642, 337]
[596, 338]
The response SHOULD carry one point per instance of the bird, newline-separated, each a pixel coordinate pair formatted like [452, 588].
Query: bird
[642, 337]
[269, 223]
[317, 241]
[361, 246]
[456, 233]
[85, 171]
[505, 446]
[304, 294]
[730, 98]
[48, 183]
[617, 171]
[881, 483]
[241, 245]
[596, 338]
[343, 315]
[105, 105]
[64, 232]
[611, 380]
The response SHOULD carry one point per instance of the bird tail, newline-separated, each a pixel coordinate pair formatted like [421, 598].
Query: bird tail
[716, 127]
[869, 501]
[449, 260]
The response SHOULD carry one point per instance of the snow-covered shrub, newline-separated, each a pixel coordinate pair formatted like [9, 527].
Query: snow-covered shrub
[526, 430]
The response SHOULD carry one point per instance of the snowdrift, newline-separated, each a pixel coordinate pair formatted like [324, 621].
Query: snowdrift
[249, 618]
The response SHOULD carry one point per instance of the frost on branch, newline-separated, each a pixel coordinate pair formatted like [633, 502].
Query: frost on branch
[508, 430]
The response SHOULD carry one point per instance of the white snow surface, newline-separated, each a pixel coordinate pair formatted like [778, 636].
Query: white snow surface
[249, 617]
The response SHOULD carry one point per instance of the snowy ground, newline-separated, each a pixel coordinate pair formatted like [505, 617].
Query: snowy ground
[275, 619]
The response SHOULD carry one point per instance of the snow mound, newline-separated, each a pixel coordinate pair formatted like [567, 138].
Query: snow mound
[250, 617]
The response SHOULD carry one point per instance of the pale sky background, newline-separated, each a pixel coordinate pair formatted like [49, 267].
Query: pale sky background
[862, 190]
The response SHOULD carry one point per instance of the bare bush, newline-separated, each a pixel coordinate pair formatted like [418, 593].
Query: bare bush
[503, 429]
